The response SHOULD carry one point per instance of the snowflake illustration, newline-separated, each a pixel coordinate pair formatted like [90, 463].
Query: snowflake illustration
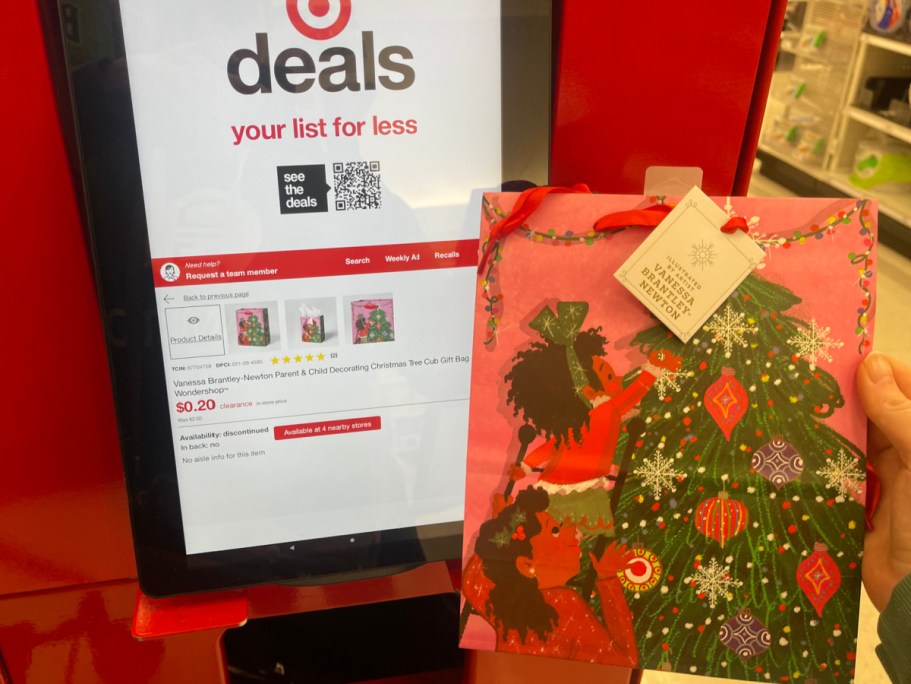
[729, 328]
[814, 343]
[841, 474]
[703, 254]
[665, 381]
[714, 581]
[658, 473]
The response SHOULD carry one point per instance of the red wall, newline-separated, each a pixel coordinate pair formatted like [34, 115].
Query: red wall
[661, 84]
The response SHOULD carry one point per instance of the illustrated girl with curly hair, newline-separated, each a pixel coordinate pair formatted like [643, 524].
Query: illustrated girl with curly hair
[565, 388]
[517, 581]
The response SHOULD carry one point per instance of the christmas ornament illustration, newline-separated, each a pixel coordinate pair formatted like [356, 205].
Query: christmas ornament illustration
[819, 577]
[642, 572]
[746, 635]
[726, 401]
[778, 462]
[721, 517]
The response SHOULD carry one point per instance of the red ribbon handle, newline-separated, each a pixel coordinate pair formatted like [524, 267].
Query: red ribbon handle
[525, 206]
[650, 217]
[529, 201]
[646, 218]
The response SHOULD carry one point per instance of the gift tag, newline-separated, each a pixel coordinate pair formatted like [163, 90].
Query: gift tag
[687, 267]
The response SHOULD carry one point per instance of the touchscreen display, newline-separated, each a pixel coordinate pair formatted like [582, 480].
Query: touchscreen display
[311, 174]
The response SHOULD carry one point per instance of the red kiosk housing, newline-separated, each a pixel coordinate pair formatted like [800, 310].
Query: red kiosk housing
[635, 86]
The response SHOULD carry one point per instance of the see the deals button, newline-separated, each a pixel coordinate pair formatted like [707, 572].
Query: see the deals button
[302, 189]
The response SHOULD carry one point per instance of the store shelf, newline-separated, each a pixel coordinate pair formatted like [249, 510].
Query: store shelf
[884, 43]
[838, 93]
[809, 169]
[879, 123]
[895, 205]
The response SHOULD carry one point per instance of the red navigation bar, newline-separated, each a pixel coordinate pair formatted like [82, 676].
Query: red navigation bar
[313, 263]
[325, 428]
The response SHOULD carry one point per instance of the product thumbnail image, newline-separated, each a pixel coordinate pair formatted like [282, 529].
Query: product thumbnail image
[313, 324]
[253, 327]
[372, 321]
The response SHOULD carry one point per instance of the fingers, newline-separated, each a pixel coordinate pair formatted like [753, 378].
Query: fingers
[900, 524]
[884, 386]
[877, 442]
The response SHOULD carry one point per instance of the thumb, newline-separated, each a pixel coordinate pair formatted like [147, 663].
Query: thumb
[886, 405]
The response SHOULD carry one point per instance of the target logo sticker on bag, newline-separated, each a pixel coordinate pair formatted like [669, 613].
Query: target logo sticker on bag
[319, 19]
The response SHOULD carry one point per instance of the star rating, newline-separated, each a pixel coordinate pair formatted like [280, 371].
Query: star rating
[297, 358]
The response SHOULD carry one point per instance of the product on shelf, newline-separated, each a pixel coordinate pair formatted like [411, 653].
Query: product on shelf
[883, 164]
[796, 88]
[888, 16]
[883, 89]
[789, 131]
[813, 39]
[810, 147]
[783, 132]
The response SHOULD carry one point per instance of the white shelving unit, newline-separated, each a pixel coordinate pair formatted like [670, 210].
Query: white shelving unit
[818, 110]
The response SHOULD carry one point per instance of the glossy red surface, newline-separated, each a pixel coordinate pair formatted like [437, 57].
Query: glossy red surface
[157, 618]
[63, 514]
[82, 636]
[640, 85]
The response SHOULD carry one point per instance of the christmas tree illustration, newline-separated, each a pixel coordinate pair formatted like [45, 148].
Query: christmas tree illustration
[253, 332]
[743, 501]
[378, 327]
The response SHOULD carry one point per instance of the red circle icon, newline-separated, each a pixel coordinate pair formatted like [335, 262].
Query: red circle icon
[319, 12]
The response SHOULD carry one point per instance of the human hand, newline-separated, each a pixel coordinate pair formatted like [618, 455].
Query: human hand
[612, 561]
[662, 358]
[884, 385]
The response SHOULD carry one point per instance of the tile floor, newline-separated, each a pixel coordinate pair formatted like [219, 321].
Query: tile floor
[891, 336]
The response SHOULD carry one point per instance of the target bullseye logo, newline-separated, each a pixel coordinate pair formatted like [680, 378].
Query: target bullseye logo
[320, 19]
[297, 69]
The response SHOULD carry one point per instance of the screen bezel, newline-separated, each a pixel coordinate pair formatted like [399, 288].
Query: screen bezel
[102, 138]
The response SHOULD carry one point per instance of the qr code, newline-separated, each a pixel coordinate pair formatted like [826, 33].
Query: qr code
[357, 185]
